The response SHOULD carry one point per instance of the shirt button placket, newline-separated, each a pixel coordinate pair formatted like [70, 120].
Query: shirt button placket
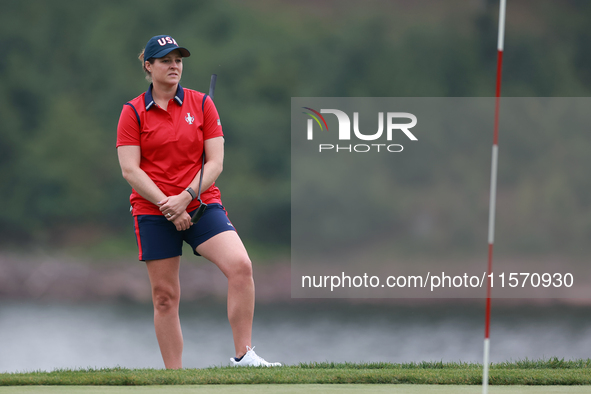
[169, 113]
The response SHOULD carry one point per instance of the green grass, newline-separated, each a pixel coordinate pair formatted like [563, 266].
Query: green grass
[296, 389]
[525, 372]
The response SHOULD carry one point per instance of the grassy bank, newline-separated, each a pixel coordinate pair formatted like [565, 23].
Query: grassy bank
[526, 372]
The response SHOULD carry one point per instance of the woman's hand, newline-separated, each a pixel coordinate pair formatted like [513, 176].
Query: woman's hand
[182, 222]
[173, 207]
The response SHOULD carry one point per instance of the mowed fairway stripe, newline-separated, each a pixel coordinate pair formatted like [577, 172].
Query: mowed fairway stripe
[295, 389]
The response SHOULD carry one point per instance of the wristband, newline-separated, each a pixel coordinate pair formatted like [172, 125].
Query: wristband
[191, 192]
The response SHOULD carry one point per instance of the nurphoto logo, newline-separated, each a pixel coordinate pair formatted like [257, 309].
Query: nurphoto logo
[344, 132]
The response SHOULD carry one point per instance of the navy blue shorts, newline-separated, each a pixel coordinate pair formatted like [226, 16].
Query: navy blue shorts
[157, 238]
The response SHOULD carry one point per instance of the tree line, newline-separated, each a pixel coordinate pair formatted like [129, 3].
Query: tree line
[68, 67]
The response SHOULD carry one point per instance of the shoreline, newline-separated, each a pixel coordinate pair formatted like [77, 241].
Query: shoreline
[49, 278]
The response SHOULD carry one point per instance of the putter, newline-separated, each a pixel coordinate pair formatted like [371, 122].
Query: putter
[202, 205]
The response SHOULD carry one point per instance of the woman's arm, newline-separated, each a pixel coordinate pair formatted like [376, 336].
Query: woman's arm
[129, 160]
[214, 163]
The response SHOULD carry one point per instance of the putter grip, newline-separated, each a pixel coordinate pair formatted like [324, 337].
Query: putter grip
[214, 78]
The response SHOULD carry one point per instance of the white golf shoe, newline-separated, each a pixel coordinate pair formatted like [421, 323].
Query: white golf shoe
[251, 359]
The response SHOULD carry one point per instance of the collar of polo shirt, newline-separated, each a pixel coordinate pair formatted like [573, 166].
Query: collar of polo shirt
[178, 96]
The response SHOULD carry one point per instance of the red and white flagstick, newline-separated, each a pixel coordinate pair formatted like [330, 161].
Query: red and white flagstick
[493, 195]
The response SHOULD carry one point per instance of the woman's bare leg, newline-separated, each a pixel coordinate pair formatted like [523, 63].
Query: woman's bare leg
[228, 253]
[166, 295]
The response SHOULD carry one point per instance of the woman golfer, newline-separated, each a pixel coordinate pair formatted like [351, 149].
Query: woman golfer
[161, 137]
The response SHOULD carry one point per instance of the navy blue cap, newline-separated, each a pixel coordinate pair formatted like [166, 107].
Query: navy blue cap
[160, 46]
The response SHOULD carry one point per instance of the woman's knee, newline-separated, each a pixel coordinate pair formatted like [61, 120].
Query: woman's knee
[165, 298]
[241, 268]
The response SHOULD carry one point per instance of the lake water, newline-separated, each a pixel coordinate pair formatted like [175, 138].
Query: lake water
[46, 336]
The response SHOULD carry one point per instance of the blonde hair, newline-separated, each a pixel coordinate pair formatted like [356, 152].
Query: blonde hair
[151, 61]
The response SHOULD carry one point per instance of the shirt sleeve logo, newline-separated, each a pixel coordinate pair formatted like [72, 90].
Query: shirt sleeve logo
[189, 118]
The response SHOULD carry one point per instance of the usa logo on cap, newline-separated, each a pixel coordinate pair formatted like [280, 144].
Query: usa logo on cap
[162, 41]
[160, 46]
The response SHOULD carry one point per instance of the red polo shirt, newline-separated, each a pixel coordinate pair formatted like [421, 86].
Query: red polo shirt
[171, 142]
